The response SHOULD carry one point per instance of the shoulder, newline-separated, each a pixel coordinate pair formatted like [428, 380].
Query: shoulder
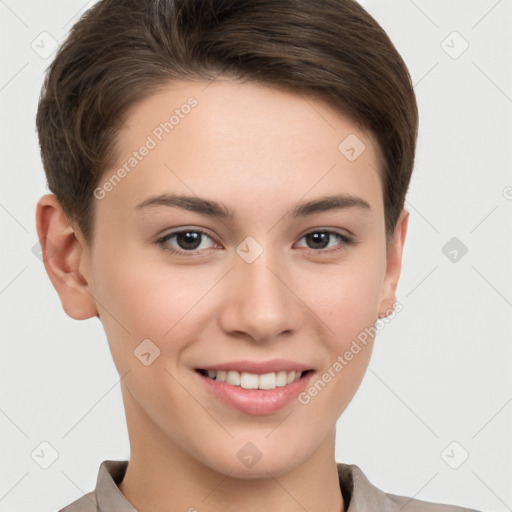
[365, 496]
[413, 505]
[86, 503]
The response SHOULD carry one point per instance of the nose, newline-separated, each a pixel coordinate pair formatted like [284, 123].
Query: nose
[261, 303]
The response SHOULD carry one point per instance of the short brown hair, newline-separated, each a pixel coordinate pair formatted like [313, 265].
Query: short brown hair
[121, 51]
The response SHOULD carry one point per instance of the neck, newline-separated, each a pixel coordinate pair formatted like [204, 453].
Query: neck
[161, 476]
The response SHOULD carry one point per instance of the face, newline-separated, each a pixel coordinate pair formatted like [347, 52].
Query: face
[281, 285]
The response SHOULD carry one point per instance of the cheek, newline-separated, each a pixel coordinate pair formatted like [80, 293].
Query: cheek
[140, 301]
[349, 306]
[348, 299]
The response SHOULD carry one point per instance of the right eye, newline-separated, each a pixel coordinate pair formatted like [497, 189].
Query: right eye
[188, 241]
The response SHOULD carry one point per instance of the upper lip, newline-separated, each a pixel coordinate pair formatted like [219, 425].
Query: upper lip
[258, 367]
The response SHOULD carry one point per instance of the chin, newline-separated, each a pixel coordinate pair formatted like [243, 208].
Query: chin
[275, 465]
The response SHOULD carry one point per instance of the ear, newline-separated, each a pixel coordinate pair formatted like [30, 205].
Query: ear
[393, 265]
[65, 258]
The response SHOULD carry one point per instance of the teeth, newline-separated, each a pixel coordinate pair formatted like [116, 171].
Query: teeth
[252, 381]
[266, 381]
[249, 380]
[233, 378]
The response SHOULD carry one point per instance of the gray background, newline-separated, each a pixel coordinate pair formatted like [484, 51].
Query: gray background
[439, 385]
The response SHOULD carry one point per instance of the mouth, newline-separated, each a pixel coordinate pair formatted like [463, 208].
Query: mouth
[247, 380]
[255, 387]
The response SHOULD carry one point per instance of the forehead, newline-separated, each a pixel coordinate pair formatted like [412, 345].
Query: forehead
[244, 142]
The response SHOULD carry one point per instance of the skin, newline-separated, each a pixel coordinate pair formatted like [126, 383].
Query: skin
[260, 151]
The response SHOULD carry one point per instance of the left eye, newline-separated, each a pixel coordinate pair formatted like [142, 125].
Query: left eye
[189, 240]
[321, 238]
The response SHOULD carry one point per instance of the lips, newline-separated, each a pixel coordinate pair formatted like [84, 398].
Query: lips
[255, 401]
[258, 367]
[254, 387]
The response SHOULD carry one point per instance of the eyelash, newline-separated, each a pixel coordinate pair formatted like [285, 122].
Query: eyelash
[161, 242]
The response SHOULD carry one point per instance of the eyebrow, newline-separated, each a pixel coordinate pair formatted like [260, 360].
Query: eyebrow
[215, 209]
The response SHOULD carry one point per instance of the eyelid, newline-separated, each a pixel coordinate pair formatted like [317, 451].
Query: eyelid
[181, 229]
[340, 231]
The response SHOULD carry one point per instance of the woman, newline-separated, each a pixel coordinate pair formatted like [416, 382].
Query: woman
[228, 182]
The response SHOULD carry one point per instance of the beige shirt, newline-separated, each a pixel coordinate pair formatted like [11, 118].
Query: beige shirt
[358, 493]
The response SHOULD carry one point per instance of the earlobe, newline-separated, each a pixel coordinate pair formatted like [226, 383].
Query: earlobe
[62, 256]
[393, 265]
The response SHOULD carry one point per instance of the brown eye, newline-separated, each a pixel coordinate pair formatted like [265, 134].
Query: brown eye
[187, 240]
[319, 240]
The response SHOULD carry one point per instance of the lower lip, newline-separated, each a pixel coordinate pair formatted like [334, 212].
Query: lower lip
[256, 401]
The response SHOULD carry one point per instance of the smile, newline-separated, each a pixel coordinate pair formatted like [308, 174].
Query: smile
[255, 393]
[248, 380]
